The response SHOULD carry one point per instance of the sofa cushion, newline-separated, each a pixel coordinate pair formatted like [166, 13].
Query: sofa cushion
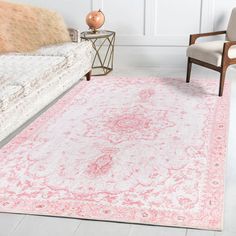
[210, 52]
[71, 51]
[19, 75]
[26, 28]
[65, 49]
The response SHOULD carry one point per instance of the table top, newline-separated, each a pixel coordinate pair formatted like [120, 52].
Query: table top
[98, 34]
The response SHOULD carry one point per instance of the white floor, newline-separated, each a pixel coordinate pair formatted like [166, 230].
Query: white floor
[25, 225]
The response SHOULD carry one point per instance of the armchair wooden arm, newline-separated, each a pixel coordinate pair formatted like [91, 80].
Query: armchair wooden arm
[194, 37]
[226, 59]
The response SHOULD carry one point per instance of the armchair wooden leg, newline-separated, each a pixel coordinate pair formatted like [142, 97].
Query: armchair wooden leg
[88, 75]
[222, 81]
[189, 68]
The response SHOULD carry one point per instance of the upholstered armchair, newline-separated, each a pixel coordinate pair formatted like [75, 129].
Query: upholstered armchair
[215, 55]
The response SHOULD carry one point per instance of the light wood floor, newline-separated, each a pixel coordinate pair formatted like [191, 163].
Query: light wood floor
[25, 225]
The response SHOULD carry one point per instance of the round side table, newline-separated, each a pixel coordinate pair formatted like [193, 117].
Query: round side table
[103, 42]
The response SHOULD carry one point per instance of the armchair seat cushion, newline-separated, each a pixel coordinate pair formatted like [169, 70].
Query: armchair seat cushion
[209, 52]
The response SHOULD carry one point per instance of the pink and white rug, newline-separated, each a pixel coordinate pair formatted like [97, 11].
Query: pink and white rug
[141, 150]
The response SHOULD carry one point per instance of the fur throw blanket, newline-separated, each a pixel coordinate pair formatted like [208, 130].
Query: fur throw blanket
[24, 28]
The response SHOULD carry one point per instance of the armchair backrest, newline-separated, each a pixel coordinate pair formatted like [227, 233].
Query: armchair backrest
[231, 31]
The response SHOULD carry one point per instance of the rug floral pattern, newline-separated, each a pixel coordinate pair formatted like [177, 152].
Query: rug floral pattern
[141, 150]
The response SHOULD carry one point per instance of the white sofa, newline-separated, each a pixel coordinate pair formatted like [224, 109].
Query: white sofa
[30, 81]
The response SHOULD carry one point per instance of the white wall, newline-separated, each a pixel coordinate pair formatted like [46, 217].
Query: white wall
[149, 32]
